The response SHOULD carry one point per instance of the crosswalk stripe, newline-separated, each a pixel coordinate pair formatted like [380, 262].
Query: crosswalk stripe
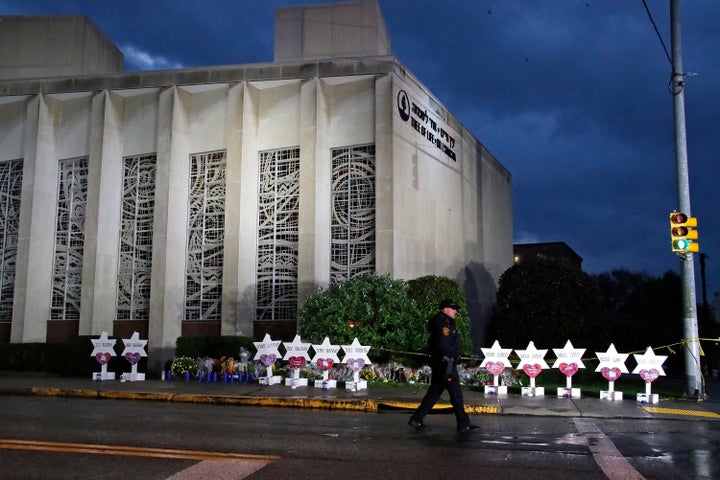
[613, 464]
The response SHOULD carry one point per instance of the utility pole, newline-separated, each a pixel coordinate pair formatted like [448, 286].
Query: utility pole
[695, 387]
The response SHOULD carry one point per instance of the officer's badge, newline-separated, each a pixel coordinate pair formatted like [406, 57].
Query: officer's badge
[446, 331]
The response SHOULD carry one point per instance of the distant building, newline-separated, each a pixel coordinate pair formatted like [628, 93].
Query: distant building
[51, 46]
[523, 251]
[212, 201]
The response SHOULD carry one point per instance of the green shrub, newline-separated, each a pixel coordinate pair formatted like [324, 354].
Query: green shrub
[428, 291]
[69, 359]
[375, 309]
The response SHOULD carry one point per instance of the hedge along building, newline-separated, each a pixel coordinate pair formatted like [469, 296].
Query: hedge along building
[212, 201]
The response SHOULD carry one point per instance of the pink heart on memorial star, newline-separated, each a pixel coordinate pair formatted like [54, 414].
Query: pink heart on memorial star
[568, 369]
[495, 368]
[532, 371]
[611, 374]
[133, 357]
[296, 362]
[355, 364]
[324, 363]
[268, 359]
[102, 358]
[649, 375]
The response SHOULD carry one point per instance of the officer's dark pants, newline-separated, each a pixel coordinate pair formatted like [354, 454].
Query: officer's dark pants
[438, 383]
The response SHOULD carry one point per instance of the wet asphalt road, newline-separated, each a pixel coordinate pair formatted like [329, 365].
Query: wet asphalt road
[67, 438]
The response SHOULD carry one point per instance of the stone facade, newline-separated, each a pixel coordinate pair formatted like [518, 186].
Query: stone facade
[205, 201]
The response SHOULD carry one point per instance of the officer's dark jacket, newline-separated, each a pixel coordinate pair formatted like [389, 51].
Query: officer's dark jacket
[443, 340]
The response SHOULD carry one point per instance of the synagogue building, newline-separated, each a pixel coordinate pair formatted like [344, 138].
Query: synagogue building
[214, 200]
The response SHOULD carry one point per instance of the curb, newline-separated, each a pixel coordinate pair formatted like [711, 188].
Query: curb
[313, 403]
[358, 405]
[441, 407]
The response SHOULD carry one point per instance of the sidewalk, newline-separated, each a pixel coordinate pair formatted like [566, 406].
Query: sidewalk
[373, 399]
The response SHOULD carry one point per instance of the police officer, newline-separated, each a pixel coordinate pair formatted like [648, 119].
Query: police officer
[444, 343]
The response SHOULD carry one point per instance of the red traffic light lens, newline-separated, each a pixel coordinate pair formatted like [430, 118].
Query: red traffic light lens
[678, 218]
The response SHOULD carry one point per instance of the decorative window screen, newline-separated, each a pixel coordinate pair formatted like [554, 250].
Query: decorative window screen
[278, 197]
[205, 236]
[136, 233]
[10, 189]
[352, 250]
[69, 239]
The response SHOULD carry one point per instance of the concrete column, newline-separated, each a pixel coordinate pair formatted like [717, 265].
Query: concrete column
[231, 320]
[247, 239]
[29, 154]
[169, 256]
[314, 230]
[102, 216]
[33, 285]
[384, 138]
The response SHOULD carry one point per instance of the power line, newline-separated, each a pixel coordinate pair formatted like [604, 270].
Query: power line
[647, 9]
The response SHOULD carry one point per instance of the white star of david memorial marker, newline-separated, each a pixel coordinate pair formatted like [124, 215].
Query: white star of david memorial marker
[297, 348]
[568, 361]
[325, 357]
[356, 359]
[532, 362]
[611, 366]
[296, 354]
[495, 362]
[649, 367]
[134, 350]
[267, 353]
[103, 350]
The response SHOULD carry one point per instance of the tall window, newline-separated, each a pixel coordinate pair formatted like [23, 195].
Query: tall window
[69, 239]
[10, 189]
[352, 250]
[136, 231]
[278, 197]
[205, 236]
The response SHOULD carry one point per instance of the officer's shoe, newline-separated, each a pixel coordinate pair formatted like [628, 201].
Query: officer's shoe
[416, 425]
[468, 429]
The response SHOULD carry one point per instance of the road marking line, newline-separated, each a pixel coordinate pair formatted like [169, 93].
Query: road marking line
[134, 451]
[606, 455]
[679, 411]
[218, 471]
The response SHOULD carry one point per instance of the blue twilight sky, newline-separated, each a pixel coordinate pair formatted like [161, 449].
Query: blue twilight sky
[570, 95]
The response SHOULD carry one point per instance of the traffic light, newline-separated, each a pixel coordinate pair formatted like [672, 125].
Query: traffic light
[683, 233]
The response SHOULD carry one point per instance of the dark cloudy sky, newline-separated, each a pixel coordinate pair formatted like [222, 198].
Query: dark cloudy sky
[570, 95]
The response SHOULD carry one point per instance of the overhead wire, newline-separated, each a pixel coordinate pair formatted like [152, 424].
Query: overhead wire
[652, 20]
[675, 87]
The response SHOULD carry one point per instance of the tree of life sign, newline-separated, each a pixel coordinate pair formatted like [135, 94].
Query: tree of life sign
[611, 366]
[103, 351]
[532, 362]
[569, 361]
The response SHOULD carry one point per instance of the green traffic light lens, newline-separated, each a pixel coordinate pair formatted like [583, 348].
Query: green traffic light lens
[682, 244]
